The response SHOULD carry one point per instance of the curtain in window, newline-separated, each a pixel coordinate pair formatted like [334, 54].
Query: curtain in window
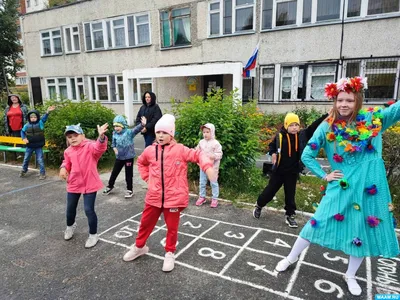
[227, 16]
[214, 23]
[267, 14]
[181, 31]
[318, 86]
[166, 30]
[244, 19]
[131, 31]
[63, 91]
[68, 38]
[46, 47]
[328, 10]
[354, 8]
[286, 13]
[143, 34]
[119, 35]
[268, 89]
[52, 92]
[57, 45]
[307, 11]
[88, 37]
[382, 6]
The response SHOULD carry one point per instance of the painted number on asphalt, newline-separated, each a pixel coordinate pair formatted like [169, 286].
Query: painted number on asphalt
[279, 242]
[208, 252]
[336, 258]
[188, 223]
[229, 234]
[262, 268]
[125, 232]
[328, 287]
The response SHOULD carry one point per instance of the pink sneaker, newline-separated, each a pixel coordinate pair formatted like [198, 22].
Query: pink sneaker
[214, 203]
[200, 201]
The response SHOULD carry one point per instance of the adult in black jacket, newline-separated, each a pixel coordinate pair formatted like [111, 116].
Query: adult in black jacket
[286, 150]
[153, 113]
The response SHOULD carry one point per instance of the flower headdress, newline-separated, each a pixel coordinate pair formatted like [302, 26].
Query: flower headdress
[354, 84]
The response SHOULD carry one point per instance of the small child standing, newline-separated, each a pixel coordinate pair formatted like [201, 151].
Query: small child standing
[33, 135]
[286, 150]
[79, 169]
[163, 166]
[124, 149]
[213, 149]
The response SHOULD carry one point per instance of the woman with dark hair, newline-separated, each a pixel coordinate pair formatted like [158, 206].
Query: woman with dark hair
[14, 116]
[153, 113]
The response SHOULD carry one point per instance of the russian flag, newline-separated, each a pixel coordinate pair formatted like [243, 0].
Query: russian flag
[251, 64]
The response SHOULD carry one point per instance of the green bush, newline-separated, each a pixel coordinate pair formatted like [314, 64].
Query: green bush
[236, 129]
[87, 113]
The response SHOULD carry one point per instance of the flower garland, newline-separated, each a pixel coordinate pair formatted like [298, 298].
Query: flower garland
[356, 138]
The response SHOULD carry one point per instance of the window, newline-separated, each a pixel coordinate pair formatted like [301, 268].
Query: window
[126, 31]
[99, 88]
[28, 3]
[383, 83]
[21, 81]
[116, 88]
[140, 86]
[319, 75]
[267, 83]
[71, 39]
[175, 26]
[328, 10]
[286, 13]
[353, 8]
[51, 42]
[382, 6]
[65, 88]
[231, 16]
[247, 90]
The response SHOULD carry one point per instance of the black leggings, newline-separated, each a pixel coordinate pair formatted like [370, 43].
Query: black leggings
[118, 165]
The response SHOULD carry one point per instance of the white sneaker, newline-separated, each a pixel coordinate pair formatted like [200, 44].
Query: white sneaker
[69, 232]
[169, 262]
[92, 240]
[135, 252]
[128, 194]
[352, 285]
[284, 264]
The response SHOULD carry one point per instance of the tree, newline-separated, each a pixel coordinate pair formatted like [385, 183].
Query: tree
[10, 48]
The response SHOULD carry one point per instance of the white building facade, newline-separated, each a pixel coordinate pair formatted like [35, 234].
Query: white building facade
[113, 51]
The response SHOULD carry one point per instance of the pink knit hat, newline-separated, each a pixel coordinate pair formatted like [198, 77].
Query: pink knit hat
[166, 124]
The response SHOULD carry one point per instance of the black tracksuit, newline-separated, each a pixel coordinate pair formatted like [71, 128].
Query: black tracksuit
[288, 165]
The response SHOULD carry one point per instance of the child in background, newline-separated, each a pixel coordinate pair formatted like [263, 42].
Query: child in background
[124, 149]
[286, 150]
[33, 135]
[163, 166]
[213, 149]
[79, 169]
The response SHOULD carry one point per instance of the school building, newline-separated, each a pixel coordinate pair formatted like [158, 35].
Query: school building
[113, 51]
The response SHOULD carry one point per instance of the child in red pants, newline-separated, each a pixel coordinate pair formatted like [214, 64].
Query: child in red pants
[163, 166]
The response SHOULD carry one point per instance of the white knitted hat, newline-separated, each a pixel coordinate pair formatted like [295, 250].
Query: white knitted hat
[166, 124]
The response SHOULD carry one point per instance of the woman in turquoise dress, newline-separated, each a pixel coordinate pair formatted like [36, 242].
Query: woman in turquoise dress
[356, 213]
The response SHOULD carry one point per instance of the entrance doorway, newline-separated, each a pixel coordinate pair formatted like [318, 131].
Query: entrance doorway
[36, 91]
[213, 82]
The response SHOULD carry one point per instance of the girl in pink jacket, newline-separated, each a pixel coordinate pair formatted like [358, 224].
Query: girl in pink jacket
[213, 150]
[163, 166]
[79, 169]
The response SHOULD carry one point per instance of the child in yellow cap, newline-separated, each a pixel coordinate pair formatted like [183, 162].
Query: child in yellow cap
[285, 150]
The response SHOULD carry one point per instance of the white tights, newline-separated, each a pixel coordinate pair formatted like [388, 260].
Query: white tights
[301, 244]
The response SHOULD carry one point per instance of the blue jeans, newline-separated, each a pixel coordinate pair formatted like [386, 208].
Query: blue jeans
[148, 139]
[88, 203]
[203, 183]
[39, 158]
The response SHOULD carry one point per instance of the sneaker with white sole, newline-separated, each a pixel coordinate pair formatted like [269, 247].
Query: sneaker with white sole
[257, 212]
[200, 201]
[128, 194]
[107, 191]
[291, 221]
[92, 240]
[135, 252]
[284, 264]
[69, 232]
[352, 285]
[169, 262]
[214, 203]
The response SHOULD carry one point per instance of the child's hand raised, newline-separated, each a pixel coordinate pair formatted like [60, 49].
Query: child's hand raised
[63, 174]
[143, 120]
[102, 130]
[51, 108]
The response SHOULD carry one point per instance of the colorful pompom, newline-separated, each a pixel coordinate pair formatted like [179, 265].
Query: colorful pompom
[370, 148]
[373, 221]
[391, 102]
[339, 217]
[313, 146]
[356, 241]
[313, 222]
[337, 158]
[322, 190]
[356, 206]
[343, 183]
[371, 190]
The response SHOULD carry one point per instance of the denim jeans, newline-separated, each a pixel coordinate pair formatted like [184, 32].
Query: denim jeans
[203, 183]
[88, 203]
[148, 139]
[39, 158]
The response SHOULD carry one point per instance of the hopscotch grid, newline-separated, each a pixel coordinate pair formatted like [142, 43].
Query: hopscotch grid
[119, 224]
[226, 267]
[295, 273]
[369, 278]
[195, 240]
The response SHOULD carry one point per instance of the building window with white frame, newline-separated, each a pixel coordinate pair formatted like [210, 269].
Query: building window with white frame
[175, 27]
[318, 76]
[99, 88]
[28, 3]
[286, 13]
[267, 82]
[373, 7]
[77, 91]
[231, 16]
[140, 87]
[121, 32]
[51, 42]
[61, 88]
[71, 39]
[116, 88]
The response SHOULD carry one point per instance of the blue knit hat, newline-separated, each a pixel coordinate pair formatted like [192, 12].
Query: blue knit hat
[73, 128]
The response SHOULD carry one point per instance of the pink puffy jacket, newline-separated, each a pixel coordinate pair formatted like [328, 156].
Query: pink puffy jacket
[164, 168]
[81, 163]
